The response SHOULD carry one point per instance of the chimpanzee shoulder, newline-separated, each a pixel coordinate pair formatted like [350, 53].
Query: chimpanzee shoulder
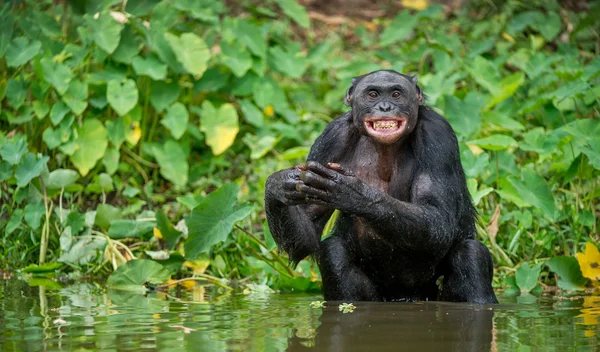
[334, 140]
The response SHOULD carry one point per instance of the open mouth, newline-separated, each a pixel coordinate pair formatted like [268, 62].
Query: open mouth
[386, 130]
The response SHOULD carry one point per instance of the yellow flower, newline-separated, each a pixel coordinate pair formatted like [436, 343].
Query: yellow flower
[589, 262]
[269, 111]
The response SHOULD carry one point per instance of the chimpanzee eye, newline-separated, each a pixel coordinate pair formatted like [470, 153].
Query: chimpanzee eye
[396, 94]
[372, 94]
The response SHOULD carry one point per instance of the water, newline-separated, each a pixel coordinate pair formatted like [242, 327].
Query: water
[87, 317]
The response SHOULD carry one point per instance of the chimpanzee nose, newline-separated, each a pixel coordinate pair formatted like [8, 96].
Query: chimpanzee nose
[384, 106]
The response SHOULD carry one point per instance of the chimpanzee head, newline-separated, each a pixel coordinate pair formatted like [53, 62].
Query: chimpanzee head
[385, 104]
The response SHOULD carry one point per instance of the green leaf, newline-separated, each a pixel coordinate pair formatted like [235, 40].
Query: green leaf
[464, 115]
[167, 230]
[150, 66]
[176, 120]
[111, 160]
[6, 31]
[13, 150]
[29, 168]
[508, 87]
[486, 74]
[191, 52]
[236, 57]
[128, 46]
[527, 277]
[251, 113]
[61, 178]
[173, 162]
[535, 191]
[105, 215]
[402, 25]
[495, 142]
[219, 126]
[21, 50]
[91, 145]
[16, 90]
[569, 273]
[57, 74]
[122, 96]
[33, 214]
[76, 96]
[259, 146]
[6, 171]
[58, 112]
[14, 221]
[129, 228]
[41, 109]
[212, 220]
[137, 274]
[295, 12]
[105, 30]
[290, 63]
[549, 26]
[539, 141]
[163, 95]
[252, 36]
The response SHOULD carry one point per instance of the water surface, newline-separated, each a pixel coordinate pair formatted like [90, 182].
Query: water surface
[86, 317]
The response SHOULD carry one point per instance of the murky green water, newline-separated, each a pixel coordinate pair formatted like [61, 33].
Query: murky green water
[86, 317]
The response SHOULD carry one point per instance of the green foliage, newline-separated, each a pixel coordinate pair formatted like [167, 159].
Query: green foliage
[118, 120]
[136, 275]
[568, 271]
[527, 276]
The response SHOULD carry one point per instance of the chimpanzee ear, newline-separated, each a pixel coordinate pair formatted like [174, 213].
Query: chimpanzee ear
[349, 92]
[414, 80]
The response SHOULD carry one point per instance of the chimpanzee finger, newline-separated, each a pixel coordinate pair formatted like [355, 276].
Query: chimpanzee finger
[339, 168]
[294, 195]
[312, 179]
[315, 201]
[311, 191]
[320, 169]
[300, 167]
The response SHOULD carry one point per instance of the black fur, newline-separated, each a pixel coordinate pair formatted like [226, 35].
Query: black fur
[406, 214]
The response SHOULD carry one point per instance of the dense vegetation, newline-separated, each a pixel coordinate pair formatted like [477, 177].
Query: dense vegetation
[120, 119]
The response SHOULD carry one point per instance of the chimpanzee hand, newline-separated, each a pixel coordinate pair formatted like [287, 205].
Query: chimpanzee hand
[335, 187]
[282, 186]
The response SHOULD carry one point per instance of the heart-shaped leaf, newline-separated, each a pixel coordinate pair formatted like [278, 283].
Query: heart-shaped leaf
[21, 50]
[212, 220]
[176, 120]
[295, 12]
[61, 178]
[527, 276]
[122, 96]
[91, 145]
[106, 31]
[219, 126]
[173, 162]
[191, 51]
[150, 66]
[57, 74]
[163, 95]
[29, 168]
[135, 275]
[569, 273]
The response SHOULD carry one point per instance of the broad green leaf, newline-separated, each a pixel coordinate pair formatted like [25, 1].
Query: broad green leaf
[111, 160]
[502, 120]
[128, 46]
[167, 230]
[57, 74]
[21, 50]
[41, 109]
[295, 12]
[16, 90]
[122, 96]
[495, 142]
[203, 10]
[13, 150]
[163, 95]
[58, 112]
[251, 113]
[464, 115]
[540, 141]
[290, 63]
[140, 7]
[259, 146]
[116, 131]
[219, 126]
[485, 74]
[176, 120]
[236, 57]
[402, 25]
[568, 272]
[535, 190]
[212, 220]
[173, 162]
[549, 26]
[252, 36]
[527, 276]
[6, 170]
[76, 96]
[6, 31]
[508, 87]
[105, 215]
[14, 221]
[61, 178]
[105, 30]
[33, 214]
[91, 145]
[150, 66]
[129, 228]
[29, 168]
[137, 274]
[191, 52]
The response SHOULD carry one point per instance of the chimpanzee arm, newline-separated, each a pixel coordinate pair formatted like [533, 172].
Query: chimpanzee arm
[296, 225]
[439, 196]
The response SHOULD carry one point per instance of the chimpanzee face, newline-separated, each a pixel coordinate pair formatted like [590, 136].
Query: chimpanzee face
[385, 105]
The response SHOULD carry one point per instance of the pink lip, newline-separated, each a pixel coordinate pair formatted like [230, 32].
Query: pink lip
[386, 130]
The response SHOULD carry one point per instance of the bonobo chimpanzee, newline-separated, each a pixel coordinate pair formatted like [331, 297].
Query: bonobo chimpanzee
[391, 166]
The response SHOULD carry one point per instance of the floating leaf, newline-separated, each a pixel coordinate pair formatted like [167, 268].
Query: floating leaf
[21, 50]
[173, 162]
[219, 126]
[589, 262]
[191, 52]
[91, 145]
[212, 220]
[136, 275]
[29, 168]
[176, 120]
[569, 274]
[122, 96]
[527, 276]
[105, 31]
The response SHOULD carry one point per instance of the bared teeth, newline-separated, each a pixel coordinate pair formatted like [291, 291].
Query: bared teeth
[385, 125]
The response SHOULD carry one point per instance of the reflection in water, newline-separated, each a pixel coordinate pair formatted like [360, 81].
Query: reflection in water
[85, 316]
[426, 326]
